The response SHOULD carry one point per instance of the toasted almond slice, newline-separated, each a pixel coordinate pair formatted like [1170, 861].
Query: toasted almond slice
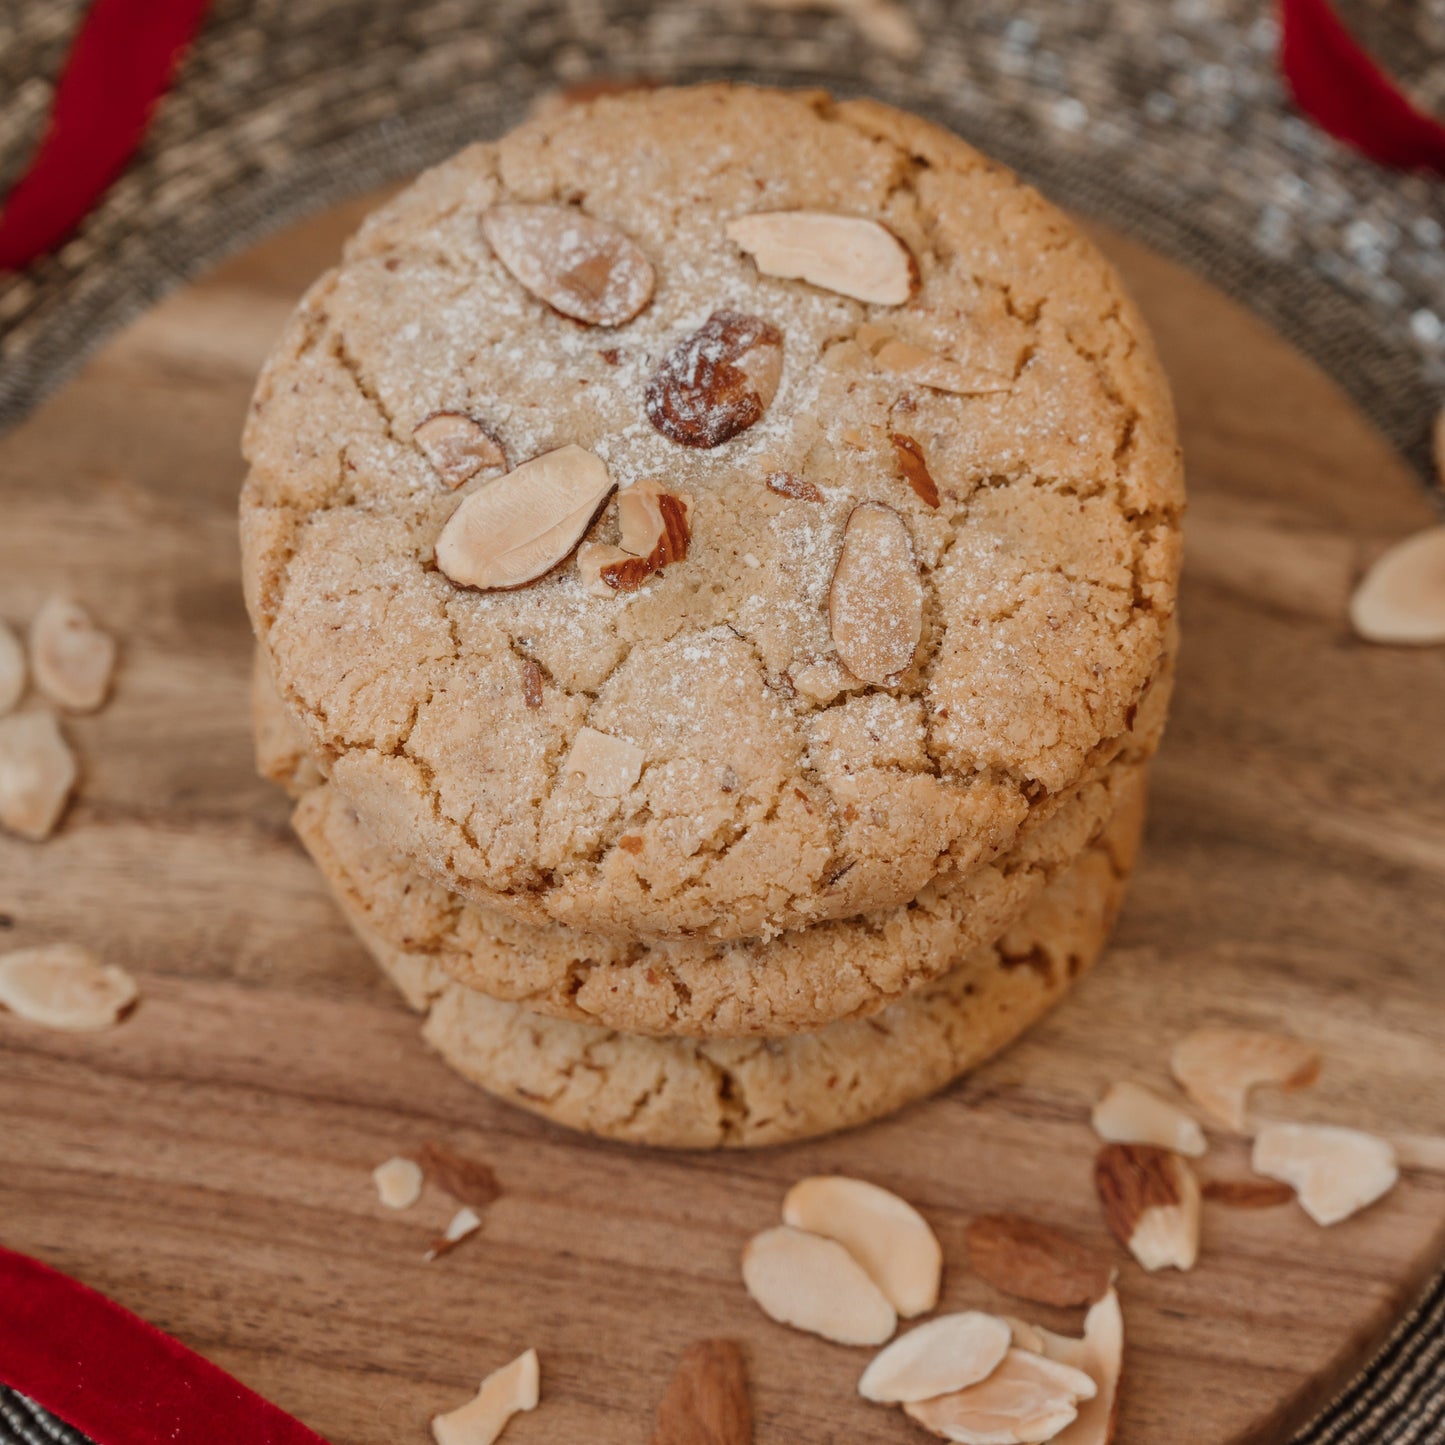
[1027, 1398]
[1402, 597]
[522, 525]
[875, 605]
[914, 466]
[885, 1234]
[927, 368]
[656, 528]
[848, 254]
[1025, 1336]
[1035, 1261]
[1151, 1202]
[585, 268]
[1247, 1193]
[944, 1355]
[458, 446]
[37, 773]
[814, 1284]
[707, 1399]
[716, 382]
[1131, 1114]
[64, 986]
[398, 1182]
[1335, 1172]
[789, 484]
[1100, 1355]
[609, 766]
[72, 659]
[462, 1225]
[504, 1393]
[12, 670]
[1218, 1067]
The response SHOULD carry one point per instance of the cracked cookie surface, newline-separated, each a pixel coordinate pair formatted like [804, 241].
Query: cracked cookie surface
[775, 790]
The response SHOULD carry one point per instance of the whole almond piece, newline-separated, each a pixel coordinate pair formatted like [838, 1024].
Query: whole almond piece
[885, 1234]
[1028, 1398]
[914, 466]
[1335, 1172]
[522, 525]
[946, 1354]
[504, 1393]
[1402, 597]
[814, 1284]
[716, 382]
[1131, 1114]
[1218, 1067]
[71, 658]
[1100, 1355]
[468, 1181]
[608, 766]
[851, 255]
[12, 670]
[398, 1182]
[1151, 1202]
[63, 986]
[458, 446]
[585, 268]
[875, 605]
[1035, 1261]
[707, 1400]
[37, 773]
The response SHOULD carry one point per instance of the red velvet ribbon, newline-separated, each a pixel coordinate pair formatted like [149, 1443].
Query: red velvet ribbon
[116, 1378]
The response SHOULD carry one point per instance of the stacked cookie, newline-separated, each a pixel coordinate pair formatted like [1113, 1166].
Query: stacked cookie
[713, 554]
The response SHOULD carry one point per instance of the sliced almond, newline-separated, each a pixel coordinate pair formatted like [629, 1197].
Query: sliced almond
[656, 527]
[462, 1225]
[916, 364]
[875, 606]
[398, 1182]
[1151, 1202]
[814, 1284]
[522, 525]
[531, 684]
[72, 659]
[1247, 1193]
[1025, 1336]
[12, 670]
[1027, 1398]
[1035, 1261]
[848, 254]
[789, 484]
[458, 446]
[707, 1400]
[1402, 597]
[468, 1181]
[504, 1393]
[717, 382]
[608, 766]
[1218, 1067]
[1100, 1355]
[64, 986]
[1335, 1172]
[944, 1355]
[37, 773]
[914, 466]
[585, 268]
[1131, 1114]
[885, 1234]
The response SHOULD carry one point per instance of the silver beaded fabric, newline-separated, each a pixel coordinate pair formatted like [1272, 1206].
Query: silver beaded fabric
[1165, 118]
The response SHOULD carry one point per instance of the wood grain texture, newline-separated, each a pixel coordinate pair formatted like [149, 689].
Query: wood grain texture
[208, 1163]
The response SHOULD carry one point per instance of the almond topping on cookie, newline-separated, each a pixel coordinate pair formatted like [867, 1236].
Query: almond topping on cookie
[926, 368]
[1335, 1172]
[914, 466]
[1151, 1202]
[531, 684]
[12, 670]
[885, 1234]
[458, 446]
[64, 986]
[1034, 1261]
[707, 1399]
[1218, 1067]
[716, 382]
[504, 1393]
[1027, 1398]
[1131, 1114]
[1402, 599]
[814, 1284]
[875, 605]
[789, 484]
[656, 528]
[37, 773]
[519, 527]
[585, 268]
[848, 254]
[946, 1354]
[608, 766]
[398, 1183]
[71, 657]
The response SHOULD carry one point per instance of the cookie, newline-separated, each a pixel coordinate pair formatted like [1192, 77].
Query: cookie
[688, 1094]
[883, 575]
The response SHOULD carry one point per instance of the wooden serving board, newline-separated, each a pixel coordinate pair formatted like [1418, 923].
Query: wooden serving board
[207, 1164]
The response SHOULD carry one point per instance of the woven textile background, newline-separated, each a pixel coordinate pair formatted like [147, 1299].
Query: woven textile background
[1163, 117]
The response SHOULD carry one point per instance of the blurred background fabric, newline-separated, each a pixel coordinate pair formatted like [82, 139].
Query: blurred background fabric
[1165, 118]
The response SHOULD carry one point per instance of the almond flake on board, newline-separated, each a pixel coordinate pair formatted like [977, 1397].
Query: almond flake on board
[1035, 1261]
[520, 526]
[915, 364]
[946, 1354]
[398, 1182]
[1150, 1199]
[468, 1181]
[1247, 1193]
[885, 1234]
[609, 766]
[37, 774]
[12, 670]
[1100, 1355]
[850, 255]
[462, 1225]
[1402, 597]
[71, 658]
[1335, 1172]
[1218, 1067]
[63, 986]
[914, 466]
[587, 269]
[1131, 1114]
[875, 605]
[504, 1393]
[814, 1284]
[458, 446]
[1028, 1398]
[707, 1399]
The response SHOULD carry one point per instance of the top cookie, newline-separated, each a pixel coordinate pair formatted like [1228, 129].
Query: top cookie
[893, 558]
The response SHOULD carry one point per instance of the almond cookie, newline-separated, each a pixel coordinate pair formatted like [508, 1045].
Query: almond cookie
[711, 512]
